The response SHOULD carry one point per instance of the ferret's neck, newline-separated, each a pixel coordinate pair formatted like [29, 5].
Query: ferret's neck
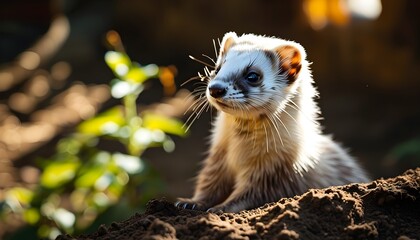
[296, 117]
[290, 133]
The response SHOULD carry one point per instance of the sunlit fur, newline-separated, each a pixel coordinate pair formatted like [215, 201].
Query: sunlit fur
[266, 143]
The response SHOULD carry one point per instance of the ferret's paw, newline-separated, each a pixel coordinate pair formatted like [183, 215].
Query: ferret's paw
[217, 209]
[187, 203]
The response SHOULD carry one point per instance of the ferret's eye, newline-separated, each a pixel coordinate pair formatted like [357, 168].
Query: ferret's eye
[252, 77]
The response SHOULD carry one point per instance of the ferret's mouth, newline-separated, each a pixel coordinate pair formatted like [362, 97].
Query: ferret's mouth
[226, 105]
[220, 103]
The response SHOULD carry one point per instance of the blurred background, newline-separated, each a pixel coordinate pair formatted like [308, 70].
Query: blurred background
[365, 58]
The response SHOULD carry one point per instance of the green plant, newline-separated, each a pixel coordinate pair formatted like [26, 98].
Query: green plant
[82, 180]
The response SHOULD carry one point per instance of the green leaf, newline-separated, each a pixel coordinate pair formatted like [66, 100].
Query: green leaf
[119, 62]
[130, 164]
[69, 145]
[136, 75]
[134, 148]
[31, 215]
[22, 195]
[91, 171]
[151, 70]
[168, 145]
[89, 179]
[58, 173]
[121, 89]
[104, 181]
[64, 218]
[407, 148]
[142, 137]
[105, 123]
[101, 199]
[115, 190]
[166, 124]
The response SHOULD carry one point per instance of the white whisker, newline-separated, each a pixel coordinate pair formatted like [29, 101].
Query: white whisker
[200, 61]
[266, 136]
[215, 48]
[196, 114]
[208, 57]
[190, 79]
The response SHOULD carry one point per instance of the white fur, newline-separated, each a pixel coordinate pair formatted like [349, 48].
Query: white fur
[296, 137]
[268, 141]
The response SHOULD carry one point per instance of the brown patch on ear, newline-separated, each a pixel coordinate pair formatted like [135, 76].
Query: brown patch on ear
[290, 62]
[228, 41]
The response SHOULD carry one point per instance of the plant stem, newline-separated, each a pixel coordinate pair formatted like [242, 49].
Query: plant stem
[130, 107]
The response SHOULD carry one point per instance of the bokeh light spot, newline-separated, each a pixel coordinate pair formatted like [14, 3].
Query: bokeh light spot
[39, 86]
[6, 79]
[369, 9]
[61, 71]
[21, 102]
[29, 60]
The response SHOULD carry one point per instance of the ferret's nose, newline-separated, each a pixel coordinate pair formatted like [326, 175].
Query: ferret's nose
[216, 90]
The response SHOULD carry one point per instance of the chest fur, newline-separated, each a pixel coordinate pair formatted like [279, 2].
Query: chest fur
[252, 145]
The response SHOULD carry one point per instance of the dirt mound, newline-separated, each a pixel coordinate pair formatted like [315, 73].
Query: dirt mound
[382, 209]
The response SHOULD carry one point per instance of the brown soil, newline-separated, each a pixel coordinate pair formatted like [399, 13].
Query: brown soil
[382, 209]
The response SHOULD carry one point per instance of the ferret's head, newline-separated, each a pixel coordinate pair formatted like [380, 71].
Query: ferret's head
[254, 74]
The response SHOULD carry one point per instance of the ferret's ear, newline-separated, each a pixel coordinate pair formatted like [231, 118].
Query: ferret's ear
[290, 61]
[228, 41]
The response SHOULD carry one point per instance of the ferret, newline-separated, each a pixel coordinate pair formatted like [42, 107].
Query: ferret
[266, 141]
